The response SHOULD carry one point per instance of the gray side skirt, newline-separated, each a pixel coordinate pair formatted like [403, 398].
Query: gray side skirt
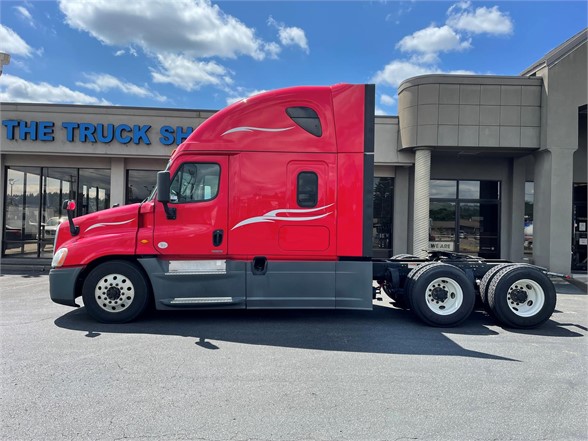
[284, 285]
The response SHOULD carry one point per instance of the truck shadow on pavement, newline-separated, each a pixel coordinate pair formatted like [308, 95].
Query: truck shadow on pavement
[384, 330]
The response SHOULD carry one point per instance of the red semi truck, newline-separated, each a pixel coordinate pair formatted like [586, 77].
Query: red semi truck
[268, 204]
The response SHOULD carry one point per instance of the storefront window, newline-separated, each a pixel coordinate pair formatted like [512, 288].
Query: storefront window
[580, 228]
[21, 212]
[528, 227]
[443, 189]
[33, 207]
[479, 190]
[140, 184]
[442, 226]
[383, 209]
[464, 217]
[94, 190]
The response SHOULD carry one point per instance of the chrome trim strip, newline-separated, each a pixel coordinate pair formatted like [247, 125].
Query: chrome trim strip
[197, 300]
[107, 224]
[256, 129]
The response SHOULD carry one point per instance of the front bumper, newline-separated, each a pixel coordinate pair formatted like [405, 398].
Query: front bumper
[62, 284]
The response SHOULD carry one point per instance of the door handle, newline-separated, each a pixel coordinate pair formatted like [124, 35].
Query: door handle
[217, 238]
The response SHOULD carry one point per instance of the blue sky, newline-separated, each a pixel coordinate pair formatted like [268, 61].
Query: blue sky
[199, 54]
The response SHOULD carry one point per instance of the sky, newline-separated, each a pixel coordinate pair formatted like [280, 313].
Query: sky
[200, 54]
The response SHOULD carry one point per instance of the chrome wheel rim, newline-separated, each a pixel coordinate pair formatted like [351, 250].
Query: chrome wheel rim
[114, 293]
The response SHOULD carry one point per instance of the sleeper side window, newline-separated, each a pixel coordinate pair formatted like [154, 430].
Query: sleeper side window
[307, 189]
[195, 182]
[306, 118]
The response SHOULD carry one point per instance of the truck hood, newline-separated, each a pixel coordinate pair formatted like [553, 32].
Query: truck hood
[102, 222]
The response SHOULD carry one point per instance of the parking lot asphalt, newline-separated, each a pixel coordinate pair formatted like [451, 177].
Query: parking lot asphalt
[287, 375]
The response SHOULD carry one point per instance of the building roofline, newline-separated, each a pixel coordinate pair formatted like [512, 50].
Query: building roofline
[467, 79]
[558, 53]
[102, 107]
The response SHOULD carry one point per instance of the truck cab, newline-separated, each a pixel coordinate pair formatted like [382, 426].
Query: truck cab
[268, 204]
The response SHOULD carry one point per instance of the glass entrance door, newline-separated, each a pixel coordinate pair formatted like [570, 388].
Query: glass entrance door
[478, 229]
[464, 217]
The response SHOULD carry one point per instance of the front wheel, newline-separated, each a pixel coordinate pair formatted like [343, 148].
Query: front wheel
[441, 295]
[115, 292]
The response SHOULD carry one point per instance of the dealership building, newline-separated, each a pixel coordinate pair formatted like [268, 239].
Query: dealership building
[493, 166]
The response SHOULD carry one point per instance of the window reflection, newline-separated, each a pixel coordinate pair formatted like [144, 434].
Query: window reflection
[479, 189]
[32, 208]
[442, 226]
[140, 184]
[528, 226]
[443, 189]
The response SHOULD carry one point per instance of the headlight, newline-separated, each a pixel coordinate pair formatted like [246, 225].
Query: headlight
[59, 258]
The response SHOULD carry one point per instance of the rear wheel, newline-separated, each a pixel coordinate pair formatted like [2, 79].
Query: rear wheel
[521, 297]
[115, 292]
[441, 295]
[487, 280]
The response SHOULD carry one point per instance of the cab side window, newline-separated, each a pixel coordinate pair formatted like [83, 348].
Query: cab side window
[195, 182]
[307, 189]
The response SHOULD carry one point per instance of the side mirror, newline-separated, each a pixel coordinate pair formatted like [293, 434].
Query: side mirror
[163, 186]
[70, 207]
[163, 191]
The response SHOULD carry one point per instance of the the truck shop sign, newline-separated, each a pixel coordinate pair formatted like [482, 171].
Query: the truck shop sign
[94, 133]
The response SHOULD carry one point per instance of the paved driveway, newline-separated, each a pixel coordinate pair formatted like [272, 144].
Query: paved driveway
[294, 375]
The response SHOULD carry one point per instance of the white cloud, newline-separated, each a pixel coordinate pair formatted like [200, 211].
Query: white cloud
[106, 82]
[433, 40]
[193, 27]
[119, 53]
[189, 74]
[273, 49]
[290, 36]
[25, 15]
[16, 89]
[482, 20]
[424, 47]
[387, 100]
[399, 70]
[240, 95]
[11, 43]
[380, 111]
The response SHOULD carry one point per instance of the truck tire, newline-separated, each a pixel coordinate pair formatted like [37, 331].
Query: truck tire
[441, 295]
[485, 282]
[411, 277]
[521, 297]
[115, 292]
[487, 279]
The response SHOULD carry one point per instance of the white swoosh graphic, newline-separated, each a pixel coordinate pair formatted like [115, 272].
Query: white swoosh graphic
[106, 224]
[274, 215]
[253, 129]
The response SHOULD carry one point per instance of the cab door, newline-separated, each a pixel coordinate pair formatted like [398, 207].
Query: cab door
[199, 195]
